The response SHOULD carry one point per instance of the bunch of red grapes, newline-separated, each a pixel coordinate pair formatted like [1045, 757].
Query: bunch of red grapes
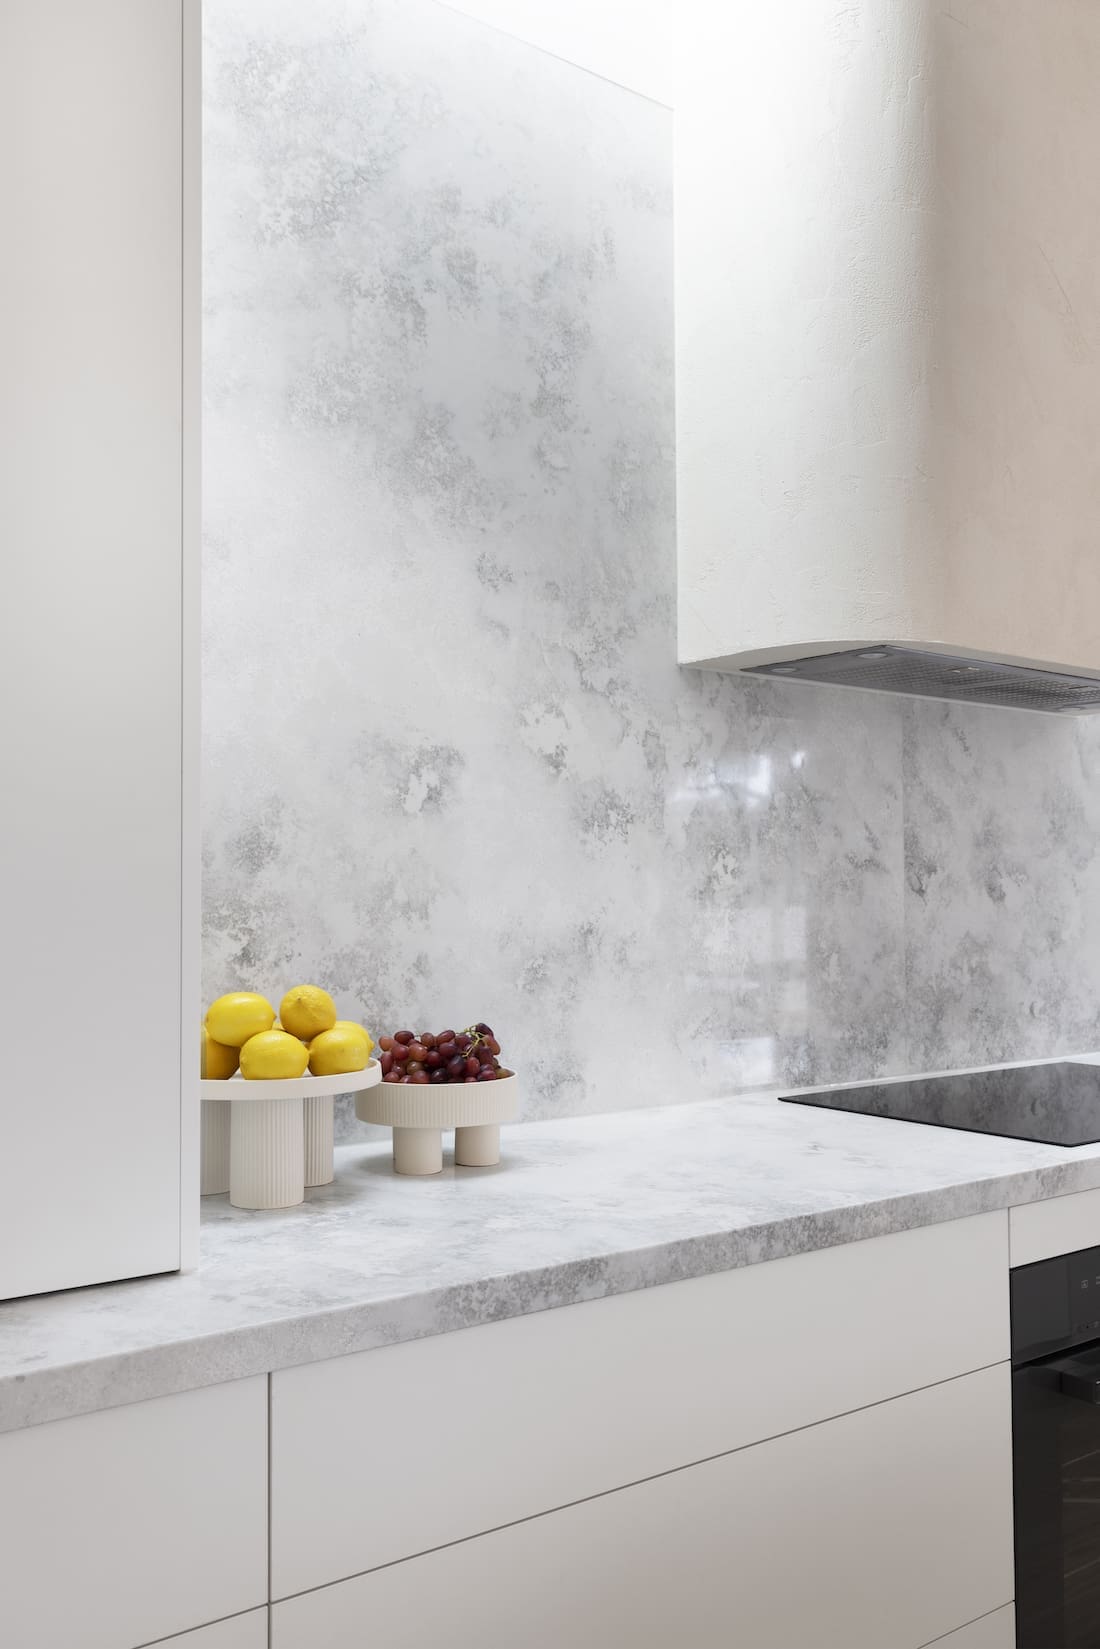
[471, 1055]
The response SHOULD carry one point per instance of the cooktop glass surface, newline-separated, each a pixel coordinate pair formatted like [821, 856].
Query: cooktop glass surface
[1050, 1104]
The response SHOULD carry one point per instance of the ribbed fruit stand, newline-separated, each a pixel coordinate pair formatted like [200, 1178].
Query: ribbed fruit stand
[264, 1142]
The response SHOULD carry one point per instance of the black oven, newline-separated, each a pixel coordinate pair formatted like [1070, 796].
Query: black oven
[1056, 1451]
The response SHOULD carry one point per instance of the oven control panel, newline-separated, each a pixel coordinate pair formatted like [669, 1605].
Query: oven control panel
[1055, 1303]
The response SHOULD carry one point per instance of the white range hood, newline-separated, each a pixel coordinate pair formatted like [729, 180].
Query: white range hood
[888, 343]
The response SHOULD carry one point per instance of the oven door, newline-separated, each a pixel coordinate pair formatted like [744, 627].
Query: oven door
[1056, 1485]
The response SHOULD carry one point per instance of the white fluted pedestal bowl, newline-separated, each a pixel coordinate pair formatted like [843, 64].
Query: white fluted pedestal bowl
[279, 1135]
[419, 1113]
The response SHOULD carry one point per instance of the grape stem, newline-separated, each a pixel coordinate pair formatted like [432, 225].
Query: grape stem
[472, 1031]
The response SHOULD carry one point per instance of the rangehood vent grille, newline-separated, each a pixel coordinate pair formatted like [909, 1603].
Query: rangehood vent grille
[939, 676]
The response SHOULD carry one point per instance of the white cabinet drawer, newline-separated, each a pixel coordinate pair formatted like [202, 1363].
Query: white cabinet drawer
[878, 1530]
[247, 1631]
[126, 1526]
[1059, 1225]
[443, 1438]
[993, 1631]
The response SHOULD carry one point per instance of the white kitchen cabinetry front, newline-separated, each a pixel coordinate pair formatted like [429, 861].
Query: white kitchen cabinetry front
[247, 1631]
[126, 1526]
[878, 1530]
[444, 1438]
[97, 638]
[992, 1631]
[1060, 1225]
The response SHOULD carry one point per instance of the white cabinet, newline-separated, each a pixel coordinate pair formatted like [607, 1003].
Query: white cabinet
[123, 1527]
[247, 1631]
[992, 1631]
[444, 1438]
[1059, 1225]
[877, 1530]
[97, 737]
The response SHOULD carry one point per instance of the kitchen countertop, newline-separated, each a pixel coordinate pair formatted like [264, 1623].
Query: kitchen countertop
[580, 1208]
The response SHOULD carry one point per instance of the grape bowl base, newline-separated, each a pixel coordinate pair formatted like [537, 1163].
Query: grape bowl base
[420, 1115]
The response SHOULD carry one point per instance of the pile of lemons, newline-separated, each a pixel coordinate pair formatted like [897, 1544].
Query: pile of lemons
[241, 1029]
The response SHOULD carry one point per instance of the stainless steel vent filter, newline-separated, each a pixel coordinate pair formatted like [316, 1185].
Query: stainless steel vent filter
[936, 675]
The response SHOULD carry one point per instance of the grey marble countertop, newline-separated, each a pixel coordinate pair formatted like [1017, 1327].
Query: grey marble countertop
[580, 1208]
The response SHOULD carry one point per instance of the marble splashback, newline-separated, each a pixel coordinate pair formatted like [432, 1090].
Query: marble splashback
[451, 766]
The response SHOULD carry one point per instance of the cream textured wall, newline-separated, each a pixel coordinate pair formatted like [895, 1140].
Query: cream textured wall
[1016, 395]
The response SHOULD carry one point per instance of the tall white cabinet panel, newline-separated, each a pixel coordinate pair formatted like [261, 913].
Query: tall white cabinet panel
[97, 948]
[882, 1529]
[123, 1527]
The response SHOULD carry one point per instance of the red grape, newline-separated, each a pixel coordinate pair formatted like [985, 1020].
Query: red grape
[447, 1056]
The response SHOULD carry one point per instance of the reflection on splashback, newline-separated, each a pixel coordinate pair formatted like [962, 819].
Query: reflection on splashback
[451, 767]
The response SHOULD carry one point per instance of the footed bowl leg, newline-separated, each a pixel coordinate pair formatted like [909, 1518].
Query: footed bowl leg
[418, 1150]
[318, 1120]
[266, 1153]
[478, 1147]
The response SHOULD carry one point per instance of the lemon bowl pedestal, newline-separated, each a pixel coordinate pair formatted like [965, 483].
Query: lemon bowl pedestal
[264, 1142]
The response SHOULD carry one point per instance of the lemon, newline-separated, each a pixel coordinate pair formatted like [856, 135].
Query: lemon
[306, 1011]
[273, 1054]
[232, 1019]
[216, 1061]
[340, 1050]
[353, 1027]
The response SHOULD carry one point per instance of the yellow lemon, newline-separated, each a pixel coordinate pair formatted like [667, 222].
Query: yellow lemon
[273, 1054]
[232, 1019]
[353, 1026]
[306, 1011]
[338, 1051]
[216, 1061]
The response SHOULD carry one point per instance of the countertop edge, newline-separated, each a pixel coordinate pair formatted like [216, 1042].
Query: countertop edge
[67, 1390]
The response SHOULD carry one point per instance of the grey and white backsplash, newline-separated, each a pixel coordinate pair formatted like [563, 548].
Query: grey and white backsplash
[451, 768]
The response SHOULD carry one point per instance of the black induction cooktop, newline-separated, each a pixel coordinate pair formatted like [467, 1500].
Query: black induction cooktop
[1050, 1104]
